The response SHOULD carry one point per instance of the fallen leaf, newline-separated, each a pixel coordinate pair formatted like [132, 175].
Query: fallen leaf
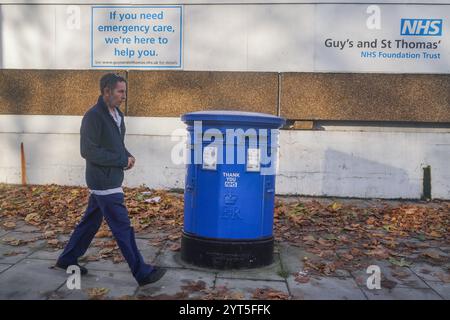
[177, 296]
[90, 258]
[106, 252]
[329, 268]
[153, 200]
[401, 274]
[269, 294]
[175, 247]
[347, 256]
[33, 219]
[336, 206]
[222, 293]
[9, 225]
[193, 286]
[401, 263]
[118, 259]
[12, 241]
[388, 284]
[355, 252]
[236, 296]
[103, 234]
[53, 242]
[97, 293]
[326, 254]
[174, 237]
[302, 277]
[378, 253]
[444, 277]
[432, 254]
[331, 237]
[49, 234]
[435, 234]
[13, 253]
[324, 242]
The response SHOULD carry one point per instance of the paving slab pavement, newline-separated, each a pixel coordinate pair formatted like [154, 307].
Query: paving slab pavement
[22, 226]
[325, 288]
[15, 253]
[429, 272]
[271, 272]
[3, 232]
[399, 293]
[245, 288]
[4, 267]
[391, 275]
[30, 279]
[46, 254]
[171, 285]
[25, 272]
[441, 288]
[116, 284]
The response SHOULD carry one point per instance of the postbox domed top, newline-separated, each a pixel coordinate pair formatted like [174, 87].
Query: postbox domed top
[226, 116]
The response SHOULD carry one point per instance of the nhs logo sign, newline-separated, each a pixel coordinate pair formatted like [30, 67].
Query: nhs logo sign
[421, 27]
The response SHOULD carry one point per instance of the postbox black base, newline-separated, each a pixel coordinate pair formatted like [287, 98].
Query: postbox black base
[226, 254]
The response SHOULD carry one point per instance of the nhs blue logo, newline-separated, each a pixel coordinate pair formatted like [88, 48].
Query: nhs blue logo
[421, 27]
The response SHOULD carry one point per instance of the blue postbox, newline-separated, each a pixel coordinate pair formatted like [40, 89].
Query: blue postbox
[230, 188]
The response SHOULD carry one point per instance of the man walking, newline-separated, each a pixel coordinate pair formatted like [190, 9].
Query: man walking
[102, 145]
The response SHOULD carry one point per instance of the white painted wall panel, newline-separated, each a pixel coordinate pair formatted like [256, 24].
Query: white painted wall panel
[280, 37]
[275, 36]
[28, 37]
[248, 38]
[72, 45]
[363, 164]
[215, 38]
[387, 163]
[213, 2]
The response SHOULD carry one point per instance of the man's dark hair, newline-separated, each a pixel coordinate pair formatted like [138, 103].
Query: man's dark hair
[110, 80]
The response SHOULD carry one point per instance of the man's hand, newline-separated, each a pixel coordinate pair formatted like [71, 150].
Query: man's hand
[131, 162]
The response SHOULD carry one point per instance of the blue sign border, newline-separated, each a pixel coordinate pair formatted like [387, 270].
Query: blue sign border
[420, 35]
[137, 67]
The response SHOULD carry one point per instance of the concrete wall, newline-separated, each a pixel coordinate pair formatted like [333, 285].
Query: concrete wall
[301, 96]
[338, 161]
[380, 163]
[238, 55]
[221, 2]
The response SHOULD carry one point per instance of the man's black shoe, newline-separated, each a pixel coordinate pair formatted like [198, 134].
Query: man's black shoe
[83, 270]
[154, 276]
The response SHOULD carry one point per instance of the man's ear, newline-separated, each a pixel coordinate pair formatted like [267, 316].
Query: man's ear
[107, 91]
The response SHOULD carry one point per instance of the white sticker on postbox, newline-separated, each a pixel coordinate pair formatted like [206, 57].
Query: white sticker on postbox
[210, 158]
[253, 160]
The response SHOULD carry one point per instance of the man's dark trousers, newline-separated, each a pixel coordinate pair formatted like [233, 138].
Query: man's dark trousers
[113, 209]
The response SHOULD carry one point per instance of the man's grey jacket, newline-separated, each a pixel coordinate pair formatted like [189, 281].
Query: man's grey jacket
[102, 145]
